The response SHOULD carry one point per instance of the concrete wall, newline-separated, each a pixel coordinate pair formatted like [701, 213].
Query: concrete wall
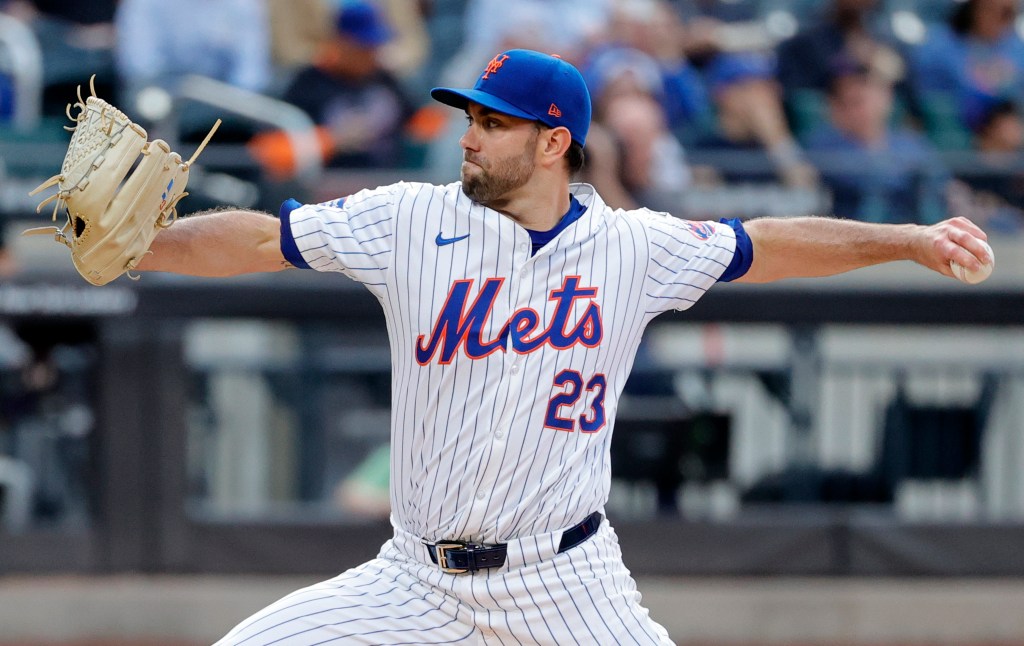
[189, 611]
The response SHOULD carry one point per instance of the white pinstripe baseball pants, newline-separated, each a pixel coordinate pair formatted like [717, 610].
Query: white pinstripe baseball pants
[583, 596]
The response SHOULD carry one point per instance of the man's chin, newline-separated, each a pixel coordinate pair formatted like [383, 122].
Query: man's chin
[470, 180]
[474, 190]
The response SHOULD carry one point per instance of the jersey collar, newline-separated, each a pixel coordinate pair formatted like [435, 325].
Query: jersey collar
[593, 219]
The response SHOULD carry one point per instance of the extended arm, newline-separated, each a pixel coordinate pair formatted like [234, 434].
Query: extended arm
[222, 243]
[815, 246]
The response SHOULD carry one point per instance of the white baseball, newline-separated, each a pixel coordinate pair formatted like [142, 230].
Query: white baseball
[973, 276]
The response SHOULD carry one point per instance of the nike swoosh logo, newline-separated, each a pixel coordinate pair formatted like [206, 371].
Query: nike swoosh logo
[442, 241]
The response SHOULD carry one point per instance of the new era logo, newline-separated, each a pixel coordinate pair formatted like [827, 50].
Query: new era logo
[554, 111]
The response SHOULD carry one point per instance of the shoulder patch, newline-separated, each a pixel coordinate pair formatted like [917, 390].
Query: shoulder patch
[700, 230]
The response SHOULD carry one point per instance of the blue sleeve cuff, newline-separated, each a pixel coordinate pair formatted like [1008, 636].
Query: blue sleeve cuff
[744, 254]
[288, 247]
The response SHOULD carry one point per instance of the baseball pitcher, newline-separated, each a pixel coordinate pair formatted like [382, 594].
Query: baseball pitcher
[515, 301]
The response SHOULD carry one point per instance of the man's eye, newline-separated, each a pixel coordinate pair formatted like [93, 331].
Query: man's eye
[484, 123]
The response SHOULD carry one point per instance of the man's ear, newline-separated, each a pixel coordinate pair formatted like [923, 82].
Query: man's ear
[556, 142]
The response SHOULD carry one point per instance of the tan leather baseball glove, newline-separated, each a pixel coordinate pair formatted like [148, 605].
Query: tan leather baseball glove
[115, 206]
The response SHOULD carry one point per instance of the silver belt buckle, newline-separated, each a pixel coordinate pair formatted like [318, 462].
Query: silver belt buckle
[442, 557]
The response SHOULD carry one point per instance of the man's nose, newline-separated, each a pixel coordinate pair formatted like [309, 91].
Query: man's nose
[468, 141]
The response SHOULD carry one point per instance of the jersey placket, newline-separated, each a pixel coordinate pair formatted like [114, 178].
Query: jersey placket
[514, 370]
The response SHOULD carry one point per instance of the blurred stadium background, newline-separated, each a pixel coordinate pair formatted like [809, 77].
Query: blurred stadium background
[814, 462]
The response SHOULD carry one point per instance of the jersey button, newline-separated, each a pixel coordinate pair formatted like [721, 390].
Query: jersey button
[499, 434]
[515, 370]
[523, 247]
[480, 495]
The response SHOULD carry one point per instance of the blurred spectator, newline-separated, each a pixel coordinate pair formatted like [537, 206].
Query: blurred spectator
[603, 168]
[360, 106]
[298, 29]
[739, 68]
[1000, 130]
[566, 27]
[711, 27]
[159, 43]
[850, 29]
[634, 159]
[876, 172]
[76, 40]
[653, 165]
[976, 60]
[653, 28]
[406, 53]
[994, 192]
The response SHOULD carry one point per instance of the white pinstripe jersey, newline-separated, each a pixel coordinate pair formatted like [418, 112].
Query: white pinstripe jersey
[506, 367]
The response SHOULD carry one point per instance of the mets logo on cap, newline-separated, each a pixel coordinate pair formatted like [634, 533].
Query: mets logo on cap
[494, 65]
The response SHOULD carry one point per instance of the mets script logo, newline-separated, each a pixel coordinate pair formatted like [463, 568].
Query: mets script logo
[495, 65]
[700, 230]
[458, 327]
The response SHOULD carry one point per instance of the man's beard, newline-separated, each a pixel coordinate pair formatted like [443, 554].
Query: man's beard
[495, 181]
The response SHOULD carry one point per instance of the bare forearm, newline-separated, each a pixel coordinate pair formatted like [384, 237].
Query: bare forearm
[222, 243]
[815, 246]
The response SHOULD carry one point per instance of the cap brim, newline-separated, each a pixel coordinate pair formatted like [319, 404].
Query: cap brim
[461, 98]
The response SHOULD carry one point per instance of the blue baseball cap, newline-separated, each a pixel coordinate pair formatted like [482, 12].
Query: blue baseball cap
[529, 85]
[364, 23]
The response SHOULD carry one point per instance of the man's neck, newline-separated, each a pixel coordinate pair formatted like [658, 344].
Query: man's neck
[534, 208]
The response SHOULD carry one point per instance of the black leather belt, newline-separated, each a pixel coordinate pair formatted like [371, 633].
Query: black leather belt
[459, 557]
